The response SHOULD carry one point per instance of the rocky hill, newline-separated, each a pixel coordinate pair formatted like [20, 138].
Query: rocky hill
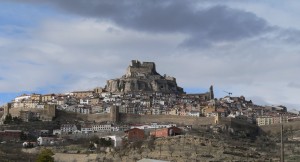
[143, 77]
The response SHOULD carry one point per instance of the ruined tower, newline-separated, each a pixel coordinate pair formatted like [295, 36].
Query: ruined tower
[114, 114]
[6, 109]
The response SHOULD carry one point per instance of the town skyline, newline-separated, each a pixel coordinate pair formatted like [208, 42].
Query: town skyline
[247, 48]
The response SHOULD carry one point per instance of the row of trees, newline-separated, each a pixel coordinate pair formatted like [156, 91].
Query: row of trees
[12, 120]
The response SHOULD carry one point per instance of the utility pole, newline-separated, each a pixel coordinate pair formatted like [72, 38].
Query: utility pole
[282, 146]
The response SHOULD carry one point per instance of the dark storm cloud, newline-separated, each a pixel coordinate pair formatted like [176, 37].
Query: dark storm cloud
[202, 25]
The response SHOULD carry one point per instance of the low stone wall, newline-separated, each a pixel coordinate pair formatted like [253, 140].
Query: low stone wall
[276, 128]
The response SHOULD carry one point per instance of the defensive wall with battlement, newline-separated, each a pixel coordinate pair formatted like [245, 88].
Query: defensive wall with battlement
[134, 118]
[46, 114]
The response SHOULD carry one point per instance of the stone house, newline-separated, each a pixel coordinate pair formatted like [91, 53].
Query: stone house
[194, 113]
[95, 101]
[86, 109]
[172, 111]
[85, 101]
[101, 127]
[56, 132]
[208, 109]
[96, 109]
[86, 128]
[11, 134]
[48, 97]
[36, 97]
[44, 141]
[68, 128]
[61, 101]
[182, 112]
[165, 132]
[268, 120]
[134, 134]
[98, 90]
[82, 94]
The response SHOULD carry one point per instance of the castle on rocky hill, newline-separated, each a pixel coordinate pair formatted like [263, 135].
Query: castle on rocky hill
[143, 77]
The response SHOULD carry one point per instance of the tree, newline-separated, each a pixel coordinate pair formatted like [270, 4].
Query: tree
[160, 145]
[102, 141]
[171, 149]
[105, 142]
[187, 155]
[151, 145]
[291, 131]
[8, 119]
[45, 156]
[196, 148]
[95, 139]
[137, 145]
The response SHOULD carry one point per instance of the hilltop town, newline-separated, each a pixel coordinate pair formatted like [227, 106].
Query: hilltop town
[139, 106]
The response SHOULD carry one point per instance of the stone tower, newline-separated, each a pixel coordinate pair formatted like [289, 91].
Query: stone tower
[211, 92]
[6, 109]
[114, 114]
[6, 112]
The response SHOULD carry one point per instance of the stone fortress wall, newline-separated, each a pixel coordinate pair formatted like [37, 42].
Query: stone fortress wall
[115, 116]
[46, 113]
[138, 69]
[140, 119]
[143, 77]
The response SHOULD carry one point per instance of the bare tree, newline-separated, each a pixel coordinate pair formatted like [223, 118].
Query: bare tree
[187, 155]
[151, 145]
[291, 131]
[196, 148]
[117, 150]
[171, 150]
[137, 145]
[160, 145]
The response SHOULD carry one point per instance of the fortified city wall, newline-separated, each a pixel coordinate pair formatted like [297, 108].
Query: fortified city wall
[134, 118]
[46, 113]
[186, 120]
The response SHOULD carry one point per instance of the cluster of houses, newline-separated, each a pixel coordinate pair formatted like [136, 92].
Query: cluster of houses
[98, 101]
[90, 128]
[129, 133]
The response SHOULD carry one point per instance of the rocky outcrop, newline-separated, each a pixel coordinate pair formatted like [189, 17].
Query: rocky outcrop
[143, 77]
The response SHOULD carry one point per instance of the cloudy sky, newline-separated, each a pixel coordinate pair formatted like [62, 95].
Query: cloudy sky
[249, 48]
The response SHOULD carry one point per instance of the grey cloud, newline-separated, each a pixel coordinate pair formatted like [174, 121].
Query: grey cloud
[294, 85]
[203, 25]
[258, 100]
[289, 35]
